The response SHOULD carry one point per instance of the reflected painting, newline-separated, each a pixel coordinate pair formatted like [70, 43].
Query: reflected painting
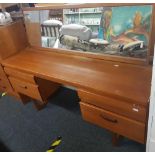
[122, 31]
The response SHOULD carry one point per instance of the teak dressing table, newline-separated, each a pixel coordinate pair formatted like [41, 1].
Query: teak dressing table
[113, 95]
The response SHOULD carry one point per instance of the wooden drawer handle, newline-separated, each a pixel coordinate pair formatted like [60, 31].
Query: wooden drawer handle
[25, 87]
[108, 119]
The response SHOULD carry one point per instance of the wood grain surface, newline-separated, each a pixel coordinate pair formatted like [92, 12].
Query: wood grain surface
[122, 81]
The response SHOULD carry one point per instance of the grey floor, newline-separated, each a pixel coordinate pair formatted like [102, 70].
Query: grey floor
[23, 128]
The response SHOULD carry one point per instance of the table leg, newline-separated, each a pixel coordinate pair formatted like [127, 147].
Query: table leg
[39, 105]
[116, 139]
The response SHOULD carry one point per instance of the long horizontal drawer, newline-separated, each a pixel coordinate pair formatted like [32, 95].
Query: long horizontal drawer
[134, 111]
[119, 124]
[21, 75]
[26, 88]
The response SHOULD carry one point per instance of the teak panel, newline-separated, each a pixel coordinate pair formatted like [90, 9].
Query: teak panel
[26, 88]
[21, 75]
[4, 82]
[12, 39]
[5, 86]
[134, 111]
[106, 57]
[46, 88]
[116, 123]
[125, 82]
[3, 89]
[2, 74]
[33, 33]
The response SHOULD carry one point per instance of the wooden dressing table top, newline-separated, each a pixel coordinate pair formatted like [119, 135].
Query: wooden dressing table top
[127, 82]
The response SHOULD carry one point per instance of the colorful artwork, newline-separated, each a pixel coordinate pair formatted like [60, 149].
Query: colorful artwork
[123, 31]
[122, 21]
[127, 26]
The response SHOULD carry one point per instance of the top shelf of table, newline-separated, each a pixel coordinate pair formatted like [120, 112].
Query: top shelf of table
[100, 76]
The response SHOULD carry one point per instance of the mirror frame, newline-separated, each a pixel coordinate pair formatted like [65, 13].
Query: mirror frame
[130, 60]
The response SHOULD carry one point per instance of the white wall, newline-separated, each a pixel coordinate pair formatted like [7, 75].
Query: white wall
[150, 146]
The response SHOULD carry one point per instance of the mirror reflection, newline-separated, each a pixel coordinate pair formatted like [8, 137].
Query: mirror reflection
[122, 31]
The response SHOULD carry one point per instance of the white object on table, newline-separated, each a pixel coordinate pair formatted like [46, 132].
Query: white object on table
[97, 41]
[5, 18]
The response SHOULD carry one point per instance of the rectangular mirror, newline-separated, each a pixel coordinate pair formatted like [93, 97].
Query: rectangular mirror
[120, 31]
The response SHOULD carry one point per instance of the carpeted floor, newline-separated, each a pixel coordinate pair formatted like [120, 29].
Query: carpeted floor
[23, 128]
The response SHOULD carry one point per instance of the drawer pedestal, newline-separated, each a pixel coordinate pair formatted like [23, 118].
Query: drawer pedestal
[117, 116]
[5, 85]
[34, 88]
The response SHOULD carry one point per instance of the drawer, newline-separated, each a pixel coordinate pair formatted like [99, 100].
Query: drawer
[1, 69]
[2, 73]
[18, 74]
[5, 84]
[116, 123]
[26, 88]
[134, 111]
[5, 89]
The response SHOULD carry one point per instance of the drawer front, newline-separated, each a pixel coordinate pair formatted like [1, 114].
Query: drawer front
[18, 74]
[119, 124]
[2, 73]
[5, 89]
[134, 111]
[1, 69]
[5, 85]
[26, 88]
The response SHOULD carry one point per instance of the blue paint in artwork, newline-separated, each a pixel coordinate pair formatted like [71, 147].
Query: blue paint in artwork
[122, 17]
[100, 33]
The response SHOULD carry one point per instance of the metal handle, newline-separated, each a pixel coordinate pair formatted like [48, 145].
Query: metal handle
[108, 119]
